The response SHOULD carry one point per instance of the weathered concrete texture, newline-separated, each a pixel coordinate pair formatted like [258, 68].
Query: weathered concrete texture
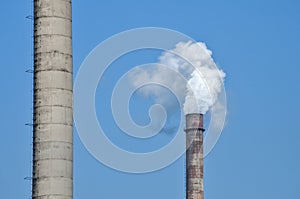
[194, 156]
[53, 122]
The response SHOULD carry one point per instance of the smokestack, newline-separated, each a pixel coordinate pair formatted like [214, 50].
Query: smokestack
[194, 156]
[53, 122]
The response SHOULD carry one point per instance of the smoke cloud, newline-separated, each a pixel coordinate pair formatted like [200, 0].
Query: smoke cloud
[193, 61]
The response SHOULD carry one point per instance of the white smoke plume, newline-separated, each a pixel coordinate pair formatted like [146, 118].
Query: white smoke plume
[203, 78]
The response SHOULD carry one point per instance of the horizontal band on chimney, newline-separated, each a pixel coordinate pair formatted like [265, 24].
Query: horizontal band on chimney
[191, 129]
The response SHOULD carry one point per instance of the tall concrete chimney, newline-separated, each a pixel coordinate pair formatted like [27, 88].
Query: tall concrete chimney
[194, 156]
[53, 122]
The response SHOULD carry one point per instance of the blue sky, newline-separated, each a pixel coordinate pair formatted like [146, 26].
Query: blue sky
[255, 42]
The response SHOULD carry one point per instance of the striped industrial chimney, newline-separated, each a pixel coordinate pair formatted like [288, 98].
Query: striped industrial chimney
[53, 123]
[194, 156]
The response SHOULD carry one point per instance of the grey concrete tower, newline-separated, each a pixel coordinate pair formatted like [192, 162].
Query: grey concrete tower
[53, 122]
[194, 156]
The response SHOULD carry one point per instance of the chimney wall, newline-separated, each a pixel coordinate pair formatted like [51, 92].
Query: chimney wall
[53, 109]
[194, 156]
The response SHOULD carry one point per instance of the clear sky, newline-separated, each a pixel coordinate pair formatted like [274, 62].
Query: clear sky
[255, 42]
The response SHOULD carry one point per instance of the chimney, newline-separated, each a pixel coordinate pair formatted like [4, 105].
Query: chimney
[194, 156]
[53, 122]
